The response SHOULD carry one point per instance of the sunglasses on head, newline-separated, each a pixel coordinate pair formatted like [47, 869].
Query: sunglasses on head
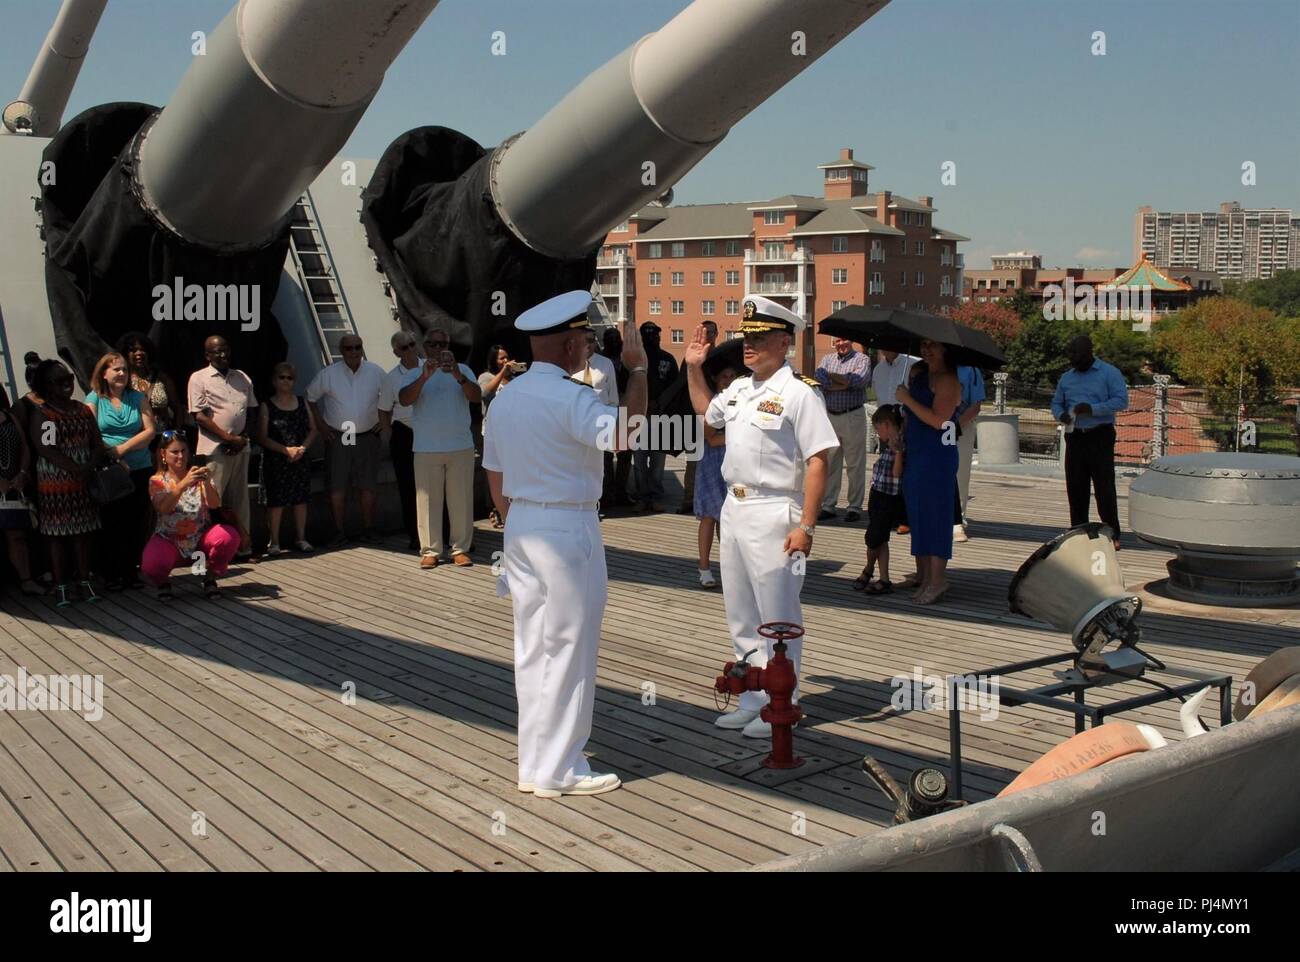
[169, 436]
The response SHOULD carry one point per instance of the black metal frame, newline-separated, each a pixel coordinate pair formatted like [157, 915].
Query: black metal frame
[1045, 696]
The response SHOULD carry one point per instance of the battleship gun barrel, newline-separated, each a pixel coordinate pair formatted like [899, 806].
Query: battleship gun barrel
[39, 108]
[637, 125]
[263, 110]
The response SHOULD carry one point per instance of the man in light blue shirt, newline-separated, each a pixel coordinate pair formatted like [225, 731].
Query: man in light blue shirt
[439, 393]
[972, 400]
[1088, 396]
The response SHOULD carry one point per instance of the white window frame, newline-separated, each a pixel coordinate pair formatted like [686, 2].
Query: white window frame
[679, 278]
[733, 307]
[708, 278]
[655, 279]
[773, 251]
[920, 248]
[706, 249]
[839, 244]
[679, 249]
[839, 275]
[679, 307]
[878, 251]
[773, 218]
[733, 278]
[656, 307]
[733, 248]
[877, 283]
[920, 278]
[838, 306]
[678, 336]
[656, 250]
[708, 308]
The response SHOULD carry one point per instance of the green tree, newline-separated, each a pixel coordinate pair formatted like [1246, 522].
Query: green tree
[1279, 293]
[1233, 348]
[1036, 357]
[1131, 351]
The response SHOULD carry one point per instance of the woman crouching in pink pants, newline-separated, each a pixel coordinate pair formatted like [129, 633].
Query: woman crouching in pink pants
[184, 498]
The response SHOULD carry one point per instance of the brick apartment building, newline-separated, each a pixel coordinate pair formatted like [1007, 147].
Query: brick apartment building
[1025, 271]
[679, 266]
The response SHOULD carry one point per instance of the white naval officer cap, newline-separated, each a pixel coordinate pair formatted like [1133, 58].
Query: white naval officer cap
[760, 315]
[569, 311]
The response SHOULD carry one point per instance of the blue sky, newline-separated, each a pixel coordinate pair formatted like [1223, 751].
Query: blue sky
[1054, 148]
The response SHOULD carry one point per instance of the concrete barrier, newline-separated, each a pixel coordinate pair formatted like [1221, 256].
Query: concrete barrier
[1228, 800]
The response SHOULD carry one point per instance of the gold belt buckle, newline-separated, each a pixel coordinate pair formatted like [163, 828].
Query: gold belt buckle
[738, 491]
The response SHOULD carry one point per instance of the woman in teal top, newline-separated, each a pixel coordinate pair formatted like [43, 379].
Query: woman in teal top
[126, 423]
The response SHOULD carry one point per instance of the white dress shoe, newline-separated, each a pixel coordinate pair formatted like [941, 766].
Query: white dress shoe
[527, 787]
[736, 719]
[592, 784]
[959, 534]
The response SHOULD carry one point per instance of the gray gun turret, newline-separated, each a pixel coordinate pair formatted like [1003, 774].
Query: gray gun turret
[618, 141]
[197, 196]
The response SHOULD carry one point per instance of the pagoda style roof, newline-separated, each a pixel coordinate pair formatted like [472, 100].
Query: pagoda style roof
[1146, 274]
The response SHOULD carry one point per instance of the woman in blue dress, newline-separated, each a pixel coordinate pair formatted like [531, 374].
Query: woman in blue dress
[710, 489]
[930, 474]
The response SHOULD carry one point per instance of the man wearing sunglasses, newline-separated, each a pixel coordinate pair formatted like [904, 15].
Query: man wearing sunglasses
[779, 437]
[395, 424]
[344, 399]
[439, 393]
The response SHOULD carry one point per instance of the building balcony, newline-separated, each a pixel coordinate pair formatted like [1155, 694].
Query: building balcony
[611, 290]
[615, 260]
[788, 288]
[795, 257]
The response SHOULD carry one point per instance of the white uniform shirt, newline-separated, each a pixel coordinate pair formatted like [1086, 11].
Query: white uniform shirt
[886, 377]
[773, 427]
[392, 387]
[345, 395]
[545, 435]
[601, 376]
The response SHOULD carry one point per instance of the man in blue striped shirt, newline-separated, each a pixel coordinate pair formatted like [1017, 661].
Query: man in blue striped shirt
[1088, 396]
[843, 376]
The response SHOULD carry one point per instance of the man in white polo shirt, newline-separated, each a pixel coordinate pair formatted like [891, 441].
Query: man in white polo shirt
[344, 397]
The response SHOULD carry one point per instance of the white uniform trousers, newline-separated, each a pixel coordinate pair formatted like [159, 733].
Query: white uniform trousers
[759, 583]
[851, 430]
[965, 454]
[555, 567]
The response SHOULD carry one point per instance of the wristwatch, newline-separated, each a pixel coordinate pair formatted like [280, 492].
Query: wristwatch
[808, 529]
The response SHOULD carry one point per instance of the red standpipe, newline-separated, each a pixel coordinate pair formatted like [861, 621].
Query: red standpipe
[778, 680]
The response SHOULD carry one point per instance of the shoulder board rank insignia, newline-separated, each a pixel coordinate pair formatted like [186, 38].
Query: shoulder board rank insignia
[771, 406]
[580, 383]
[810, 381]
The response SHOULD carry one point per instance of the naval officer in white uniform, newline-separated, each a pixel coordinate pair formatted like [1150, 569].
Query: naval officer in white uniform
[779, 438]
[542, 451]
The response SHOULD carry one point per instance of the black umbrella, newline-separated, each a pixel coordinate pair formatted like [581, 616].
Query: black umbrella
[903, 331]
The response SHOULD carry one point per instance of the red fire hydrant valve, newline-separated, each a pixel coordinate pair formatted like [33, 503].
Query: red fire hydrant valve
[778, 679]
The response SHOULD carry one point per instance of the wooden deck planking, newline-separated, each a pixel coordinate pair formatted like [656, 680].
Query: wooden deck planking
[237, 704]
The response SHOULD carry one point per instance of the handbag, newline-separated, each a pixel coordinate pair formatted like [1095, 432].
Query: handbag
[111, 482]
[16, 513]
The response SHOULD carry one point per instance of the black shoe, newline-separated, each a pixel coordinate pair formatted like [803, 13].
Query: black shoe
[340, 540]
[686, 508]
[827, 515]
[852, 516]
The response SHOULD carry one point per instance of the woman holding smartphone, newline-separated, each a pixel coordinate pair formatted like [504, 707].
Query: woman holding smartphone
[184, 498]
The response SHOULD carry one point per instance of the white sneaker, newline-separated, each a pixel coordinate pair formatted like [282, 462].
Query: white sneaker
[959, 534]
[706, 578]
[736, 719]
[757, 729]
[760, 729]
[593, 784]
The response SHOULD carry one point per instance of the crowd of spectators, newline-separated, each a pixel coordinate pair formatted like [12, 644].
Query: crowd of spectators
[136, 480]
